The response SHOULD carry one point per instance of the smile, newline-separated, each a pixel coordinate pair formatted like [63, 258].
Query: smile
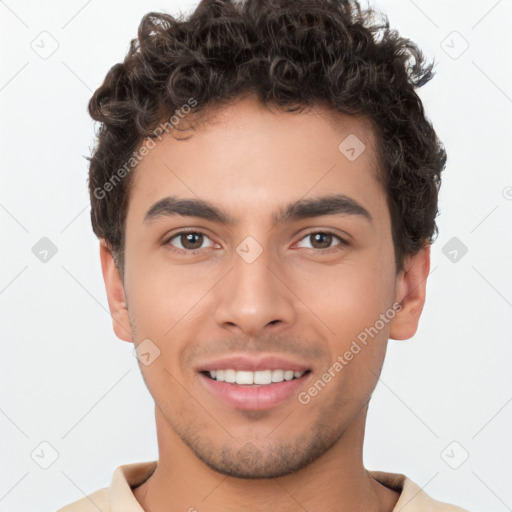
[247, 378]
[254, 390]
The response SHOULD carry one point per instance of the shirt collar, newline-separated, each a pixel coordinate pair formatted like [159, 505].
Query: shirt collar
[126, 477]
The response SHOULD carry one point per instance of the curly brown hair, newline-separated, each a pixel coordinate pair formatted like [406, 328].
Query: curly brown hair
[290, 53]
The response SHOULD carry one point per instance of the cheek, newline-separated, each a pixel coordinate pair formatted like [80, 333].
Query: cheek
[165, 305]
[348, 297]
[164, 294]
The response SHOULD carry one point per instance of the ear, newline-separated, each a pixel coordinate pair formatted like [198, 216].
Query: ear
[410, 292]
[115, 294]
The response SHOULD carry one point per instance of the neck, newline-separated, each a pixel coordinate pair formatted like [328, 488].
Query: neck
[335, 482]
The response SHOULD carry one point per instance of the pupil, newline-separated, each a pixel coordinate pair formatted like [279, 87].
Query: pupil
[189, 238]
[325, 236]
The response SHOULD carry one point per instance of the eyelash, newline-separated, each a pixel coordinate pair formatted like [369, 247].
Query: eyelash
[342, 243]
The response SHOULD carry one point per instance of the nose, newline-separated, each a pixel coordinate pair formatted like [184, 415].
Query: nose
[254, 297]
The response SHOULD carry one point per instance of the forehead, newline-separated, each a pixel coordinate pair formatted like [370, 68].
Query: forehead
[250, 155]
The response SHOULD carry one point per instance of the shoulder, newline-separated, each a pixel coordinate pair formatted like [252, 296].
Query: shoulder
[418, 499]
[412, 497]
[98, 500]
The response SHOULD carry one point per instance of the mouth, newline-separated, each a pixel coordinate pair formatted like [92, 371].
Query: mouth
[254, 390]
[256, 378]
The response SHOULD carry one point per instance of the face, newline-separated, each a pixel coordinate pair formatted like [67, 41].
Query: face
[274, 258]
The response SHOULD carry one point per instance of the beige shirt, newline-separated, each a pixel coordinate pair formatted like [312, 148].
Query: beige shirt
[119, 496]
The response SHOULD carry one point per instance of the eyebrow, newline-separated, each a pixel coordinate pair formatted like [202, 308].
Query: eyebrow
[338, 204]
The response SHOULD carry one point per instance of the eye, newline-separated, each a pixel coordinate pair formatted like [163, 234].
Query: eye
[189, 241]
[323, 239]
[192, 242]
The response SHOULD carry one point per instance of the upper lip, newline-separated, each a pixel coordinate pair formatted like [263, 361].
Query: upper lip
[253, 363]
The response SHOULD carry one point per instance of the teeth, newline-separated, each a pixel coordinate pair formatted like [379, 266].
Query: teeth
[243, 377]
[229, 376]
[247, 378]
[277, 375]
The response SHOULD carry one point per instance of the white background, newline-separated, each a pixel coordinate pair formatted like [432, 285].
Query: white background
[65, 377]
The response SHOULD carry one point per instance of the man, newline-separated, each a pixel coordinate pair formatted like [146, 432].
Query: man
[264, 188]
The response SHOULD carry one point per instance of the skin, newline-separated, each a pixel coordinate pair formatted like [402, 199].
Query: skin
[296, 300]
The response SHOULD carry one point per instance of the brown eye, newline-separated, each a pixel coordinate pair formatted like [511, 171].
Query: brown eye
[187, 241]
[323, 240]
[191, 240]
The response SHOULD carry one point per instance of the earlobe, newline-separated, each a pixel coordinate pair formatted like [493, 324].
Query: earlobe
[115, 294]
[410, 292]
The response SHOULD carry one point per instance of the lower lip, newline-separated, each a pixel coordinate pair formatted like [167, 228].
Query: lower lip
[255, 397]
